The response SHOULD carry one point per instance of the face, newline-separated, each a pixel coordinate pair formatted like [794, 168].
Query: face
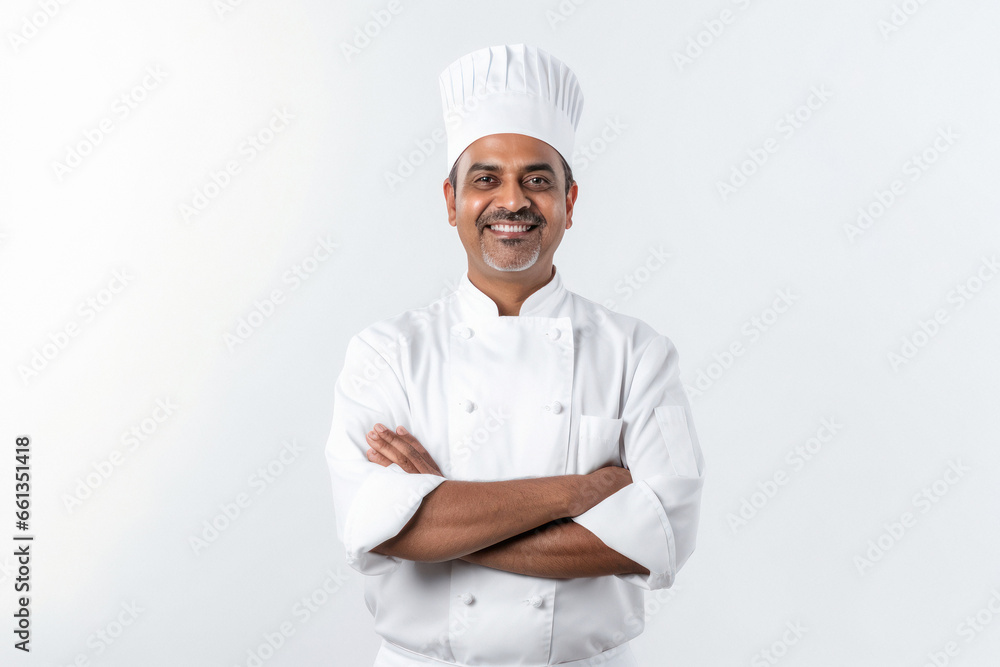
[511, 207]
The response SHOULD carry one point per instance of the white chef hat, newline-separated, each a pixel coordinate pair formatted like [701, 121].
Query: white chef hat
[514, 89]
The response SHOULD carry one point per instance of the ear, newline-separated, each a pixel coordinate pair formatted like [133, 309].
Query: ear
[570, 203]
[449, 201]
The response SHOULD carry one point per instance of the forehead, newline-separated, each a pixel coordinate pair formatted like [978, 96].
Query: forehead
[509, 151]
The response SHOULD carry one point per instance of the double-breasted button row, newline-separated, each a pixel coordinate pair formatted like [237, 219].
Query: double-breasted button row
[468, 598]
[555, 407]
[554, 334]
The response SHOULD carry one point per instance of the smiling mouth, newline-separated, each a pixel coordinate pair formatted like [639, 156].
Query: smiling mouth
[508, 230]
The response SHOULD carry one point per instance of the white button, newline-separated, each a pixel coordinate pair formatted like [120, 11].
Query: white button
[464, 332]
[468, 405]
[535, 601]
[556, 407]
[467, 598]
[555, 333]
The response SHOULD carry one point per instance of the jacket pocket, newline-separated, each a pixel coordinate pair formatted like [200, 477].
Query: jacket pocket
[598, 443]
[673, 421]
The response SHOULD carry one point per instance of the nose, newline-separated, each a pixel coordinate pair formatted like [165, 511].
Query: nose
[511, 196]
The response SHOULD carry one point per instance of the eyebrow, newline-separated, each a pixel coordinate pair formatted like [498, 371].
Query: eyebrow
[486, 166]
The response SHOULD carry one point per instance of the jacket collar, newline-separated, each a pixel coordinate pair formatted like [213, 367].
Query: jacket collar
[543, 302]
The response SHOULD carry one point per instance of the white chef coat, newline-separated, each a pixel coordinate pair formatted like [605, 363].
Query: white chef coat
[566, 387]
[390, 655]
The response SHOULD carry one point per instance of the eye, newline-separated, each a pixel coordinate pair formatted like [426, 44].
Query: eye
[538, 181]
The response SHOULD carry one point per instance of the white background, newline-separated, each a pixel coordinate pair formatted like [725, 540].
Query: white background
[673, 130]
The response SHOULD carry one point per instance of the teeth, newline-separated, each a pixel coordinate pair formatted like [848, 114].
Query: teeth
[510, 228]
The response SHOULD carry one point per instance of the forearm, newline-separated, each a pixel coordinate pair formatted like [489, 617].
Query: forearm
[458, 518]
[561, 549]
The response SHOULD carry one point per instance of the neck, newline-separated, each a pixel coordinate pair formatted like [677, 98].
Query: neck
[509, 290]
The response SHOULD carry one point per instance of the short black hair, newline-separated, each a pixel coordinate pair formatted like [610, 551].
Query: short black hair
[453, 176]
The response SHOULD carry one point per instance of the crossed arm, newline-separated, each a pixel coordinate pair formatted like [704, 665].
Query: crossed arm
[520, 525]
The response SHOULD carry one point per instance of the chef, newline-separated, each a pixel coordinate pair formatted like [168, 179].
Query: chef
[513, 464]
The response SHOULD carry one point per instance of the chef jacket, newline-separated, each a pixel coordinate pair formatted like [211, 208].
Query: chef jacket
[565, 387]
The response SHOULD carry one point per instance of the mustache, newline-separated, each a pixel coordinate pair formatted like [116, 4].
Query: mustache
[501, 215]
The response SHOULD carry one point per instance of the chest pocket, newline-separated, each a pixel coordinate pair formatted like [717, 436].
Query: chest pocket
[598, 443]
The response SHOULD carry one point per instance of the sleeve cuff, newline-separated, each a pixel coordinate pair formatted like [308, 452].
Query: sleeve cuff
[646, 537]
[384, 504]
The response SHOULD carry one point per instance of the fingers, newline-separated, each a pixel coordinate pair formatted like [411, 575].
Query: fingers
[387, 448]
[405, 448]
[419, 449]
[375, 457]
[402, 449]
[418, 455]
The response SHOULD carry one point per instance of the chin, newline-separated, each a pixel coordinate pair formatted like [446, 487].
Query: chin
[511, 267]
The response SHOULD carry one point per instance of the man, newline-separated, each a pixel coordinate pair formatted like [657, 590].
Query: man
[512, 465]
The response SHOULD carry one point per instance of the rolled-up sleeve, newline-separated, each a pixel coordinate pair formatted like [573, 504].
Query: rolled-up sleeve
[372, 503]
[654, 520]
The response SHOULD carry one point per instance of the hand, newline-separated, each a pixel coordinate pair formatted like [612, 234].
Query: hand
[599, 485]
[400, 448]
